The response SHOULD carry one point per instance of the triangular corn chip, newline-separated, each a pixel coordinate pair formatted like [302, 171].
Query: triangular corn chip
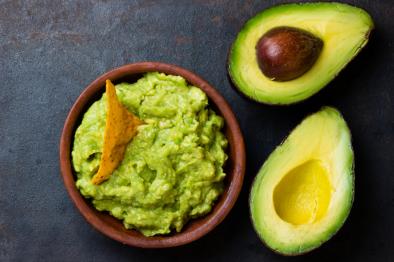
[120, 127]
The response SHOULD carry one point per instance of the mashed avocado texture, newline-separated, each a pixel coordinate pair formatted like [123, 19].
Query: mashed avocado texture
[172, 170]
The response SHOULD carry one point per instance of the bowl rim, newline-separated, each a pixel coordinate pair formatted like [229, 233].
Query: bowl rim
[238, 156]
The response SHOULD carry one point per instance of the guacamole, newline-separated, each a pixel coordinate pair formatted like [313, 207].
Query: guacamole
[172, 170]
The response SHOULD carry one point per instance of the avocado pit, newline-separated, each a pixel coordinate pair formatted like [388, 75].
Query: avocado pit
[285, 53]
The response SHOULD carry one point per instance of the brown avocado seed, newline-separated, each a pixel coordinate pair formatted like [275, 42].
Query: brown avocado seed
[285, 53]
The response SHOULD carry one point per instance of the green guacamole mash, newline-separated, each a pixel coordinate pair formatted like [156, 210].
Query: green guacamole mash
[172, 170]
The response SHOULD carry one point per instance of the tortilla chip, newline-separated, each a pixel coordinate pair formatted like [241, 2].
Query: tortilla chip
[120, 127]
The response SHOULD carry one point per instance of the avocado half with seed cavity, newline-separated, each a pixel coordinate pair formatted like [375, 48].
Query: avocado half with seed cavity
[289, 52]
[304, 191]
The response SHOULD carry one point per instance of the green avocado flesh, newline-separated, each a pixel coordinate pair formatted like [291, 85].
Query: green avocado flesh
[172, 170]
[303, 193]
[344, 30]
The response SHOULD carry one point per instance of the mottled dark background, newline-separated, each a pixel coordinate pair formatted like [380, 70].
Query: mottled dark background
[51, 50]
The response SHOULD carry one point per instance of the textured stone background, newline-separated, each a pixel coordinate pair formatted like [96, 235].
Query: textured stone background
[51, 50]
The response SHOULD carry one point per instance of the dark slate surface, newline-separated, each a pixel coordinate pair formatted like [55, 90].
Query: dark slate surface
[51, 50]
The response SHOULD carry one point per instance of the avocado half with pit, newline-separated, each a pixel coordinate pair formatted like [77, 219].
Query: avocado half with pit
[289, 52]
[304, 191]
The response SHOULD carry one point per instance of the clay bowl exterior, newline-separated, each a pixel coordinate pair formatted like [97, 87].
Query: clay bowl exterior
[112, 227]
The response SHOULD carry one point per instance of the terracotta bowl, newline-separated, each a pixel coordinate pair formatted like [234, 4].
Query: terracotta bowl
[112, 227]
